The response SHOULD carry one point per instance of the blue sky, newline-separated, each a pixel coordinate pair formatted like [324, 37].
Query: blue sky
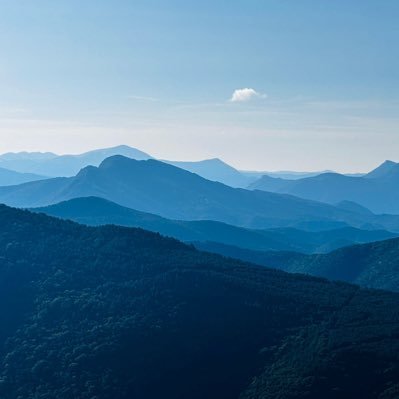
[323, 78]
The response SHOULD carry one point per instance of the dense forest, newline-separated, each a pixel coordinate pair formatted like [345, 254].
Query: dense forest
[114, 312]
[372, 265]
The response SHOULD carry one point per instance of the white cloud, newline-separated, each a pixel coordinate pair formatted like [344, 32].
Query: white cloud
[246, 94]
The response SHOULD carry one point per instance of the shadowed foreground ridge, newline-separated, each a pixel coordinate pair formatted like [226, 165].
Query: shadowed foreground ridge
[113, 312]
[371, 265]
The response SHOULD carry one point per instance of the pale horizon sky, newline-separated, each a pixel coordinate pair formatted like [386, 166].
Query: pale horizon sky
[262, 84]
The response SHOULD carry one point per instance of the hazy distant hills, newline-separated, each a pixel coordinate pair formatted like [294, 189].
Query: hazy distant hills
[374, 265]
[16, 156]
[10, 177]
[97, 211]
[385, 169]
[377, 190]
[112, 312]
[53, 165]
[155, 187]
[286, 175]
[216, 170]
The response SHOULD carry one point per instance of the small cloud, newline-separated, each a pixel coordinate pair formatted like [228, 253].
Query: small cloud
[246, 94]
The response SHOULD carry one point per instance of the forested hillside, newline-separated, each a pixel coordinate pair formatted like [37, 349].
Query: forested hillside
[113, 312]
[373, 265]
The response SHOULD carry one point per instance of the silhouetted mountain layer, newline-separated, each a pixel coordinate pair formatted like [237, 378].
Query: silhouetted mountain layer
[97, 211]
[69, 165]
[216, 170]
[10, 178]
[383, 170]
[377, 191]
[14, 156]
[353, 207]
[374, 265]
[284, 175]
[53, 165]
[155, 187]
[112, 312]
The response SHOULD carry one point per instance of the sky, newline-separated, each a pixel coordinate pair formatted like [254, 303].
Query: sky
[261, 84]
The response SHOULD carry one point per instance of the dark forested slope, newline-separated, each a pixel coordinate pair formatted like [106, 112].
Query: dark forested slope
[373, 265]
[113, 312]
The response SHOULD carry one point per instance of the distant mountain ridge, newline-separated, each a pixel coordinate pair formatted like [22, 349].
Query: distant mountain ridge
[283, 174]
[11, 178]
[216, 170]
[155, 187]
[14, 156]
[383, 170]
[53, 165]
[377, 190]
[97, 211]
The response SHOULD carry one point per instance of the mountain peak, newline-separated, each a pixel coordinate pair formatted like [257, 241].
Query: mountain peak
[382, 170]
[116, 161]
[122, 149]
[215, 160]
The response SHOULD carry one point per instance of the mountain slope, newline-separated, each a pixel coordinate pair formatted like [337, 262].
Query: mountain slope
[97, 211]
[377, 191]
[54, 165]
[215, 170]
[155, 187]
[111, 312]
[374, 265]
[10, 177]
[383, 170]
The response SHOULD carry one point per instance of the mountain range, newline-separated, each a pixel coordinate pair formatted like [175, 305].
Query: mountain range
[96, 211]
[53, 165]
[372, 265]
[114, 312]
[377, 190]
[283, 174]
[216, 170]
[156, 187]
[10, 177]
